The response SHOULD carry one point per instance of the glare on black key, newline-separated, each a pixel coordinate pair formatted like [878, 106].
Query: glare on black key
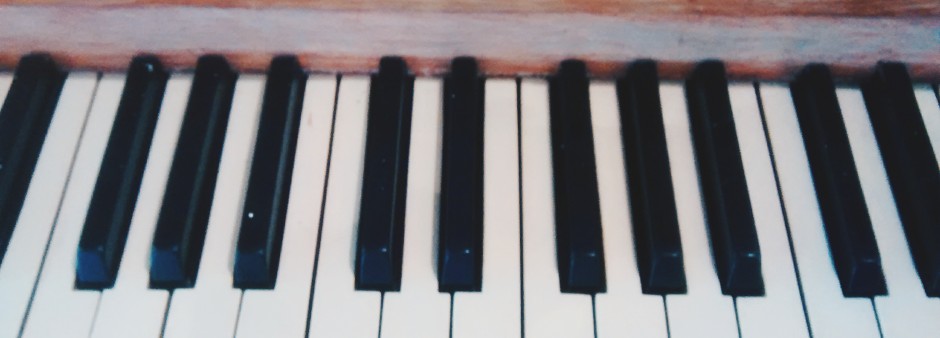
[115, 196]
[24, 121]
[184, 215]
[580, 247]
[649, 179]
[385, 178]
[269, 183]
[910, 163]
[844, 213]
[728, 213]
[460, 247]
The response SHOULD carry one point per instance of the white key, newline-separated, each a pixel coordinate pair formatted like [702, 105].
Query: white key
[210, 308]
[495, 310]
[905, 311]
[779, 313]
[830, 314]
[20, 267]
[130, 289]
[419, 310]
[548, 311]
[703, 308]
[930, 111]
[6, 79]
[282, 312]
[59, 310]
[339, 310]
[622, 311]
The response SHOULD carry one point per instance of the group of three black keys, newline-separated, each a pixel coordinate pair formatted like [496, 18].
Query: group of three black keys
[181, 228]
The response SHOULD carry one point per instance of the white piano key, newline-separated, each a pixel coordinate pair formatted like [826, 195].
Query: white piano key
[495, 310]
[830, 313]
[779, 313]
[419, 310]
[210, 308]
[703, 308]
[282, 312]
[6, 79]
[339, 310]
[130, 289]
[58, 309]
[24, 256]
[548, 311]
[930, 111]
[623, 311]
[905, 311]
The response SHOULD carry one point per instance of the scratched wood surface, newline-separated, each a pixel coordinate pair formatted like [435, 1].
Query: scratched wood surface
[757, 39]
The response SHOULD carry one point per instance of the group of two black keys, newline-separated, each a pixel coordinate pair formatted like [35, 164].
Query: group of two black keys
[183, 218]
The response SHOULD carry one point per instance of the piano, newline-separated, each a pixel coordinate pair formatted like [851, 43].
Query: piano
[469, 168]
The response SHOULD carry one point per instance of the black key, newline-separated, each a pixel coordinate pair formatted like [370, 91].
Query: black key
[911, 165]
[652, 201]
[460, 248]
[844, 214]
[385, 177]
[721, 175]
[269, 184]
[24, 121]
[181, 226]
[580, 247]
[115, 196]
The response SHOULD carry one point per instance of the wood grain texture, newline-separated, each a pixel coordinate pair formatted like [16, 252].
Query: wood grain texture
[738, 8]
[765, 47]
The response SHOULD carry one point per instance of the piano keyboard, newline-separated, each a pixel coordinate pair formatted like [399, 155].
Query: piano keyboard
[217, 204]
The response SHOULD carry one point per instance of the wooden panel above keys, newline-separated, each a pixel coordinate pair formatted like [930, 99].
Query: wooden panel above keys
[756, 39]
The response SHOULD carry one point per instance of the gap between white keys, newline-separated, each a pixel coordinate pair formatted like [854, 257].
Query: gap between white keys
[210, 308]
[779, 312]
[703, 309]
[622, 311]
[58, 309]
[495, 311]
[905, 311]
[282, 312]
[130, 291]
[419, 310]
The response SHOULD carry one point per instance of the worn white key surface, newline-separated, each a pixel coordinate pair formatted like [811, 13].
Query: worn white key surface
[830, 314]
[418, 309]
[779, 313]
[703, 310]
[338, 309]
[58, 309]
[622, 311]
[495, 311]
[130, 291]
[905, 311]
[930, 111]
[210, 308]
[282, 312]
[548, 311]
[20, 267]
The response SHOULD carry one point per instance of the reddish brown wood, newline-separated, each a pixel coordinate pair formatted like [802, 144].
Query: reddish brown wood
[510, 37]
[738, 8]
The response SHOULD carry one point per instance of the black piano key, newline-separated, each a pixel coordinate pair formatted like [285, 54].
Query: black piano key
[184, 216]
[652, 201]
[728, 213]
[24, 121]
[385, 177]
[580, 247]
[265, 211]
[844, 213]
[115, 195]
[910, 163]
[460, 248]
